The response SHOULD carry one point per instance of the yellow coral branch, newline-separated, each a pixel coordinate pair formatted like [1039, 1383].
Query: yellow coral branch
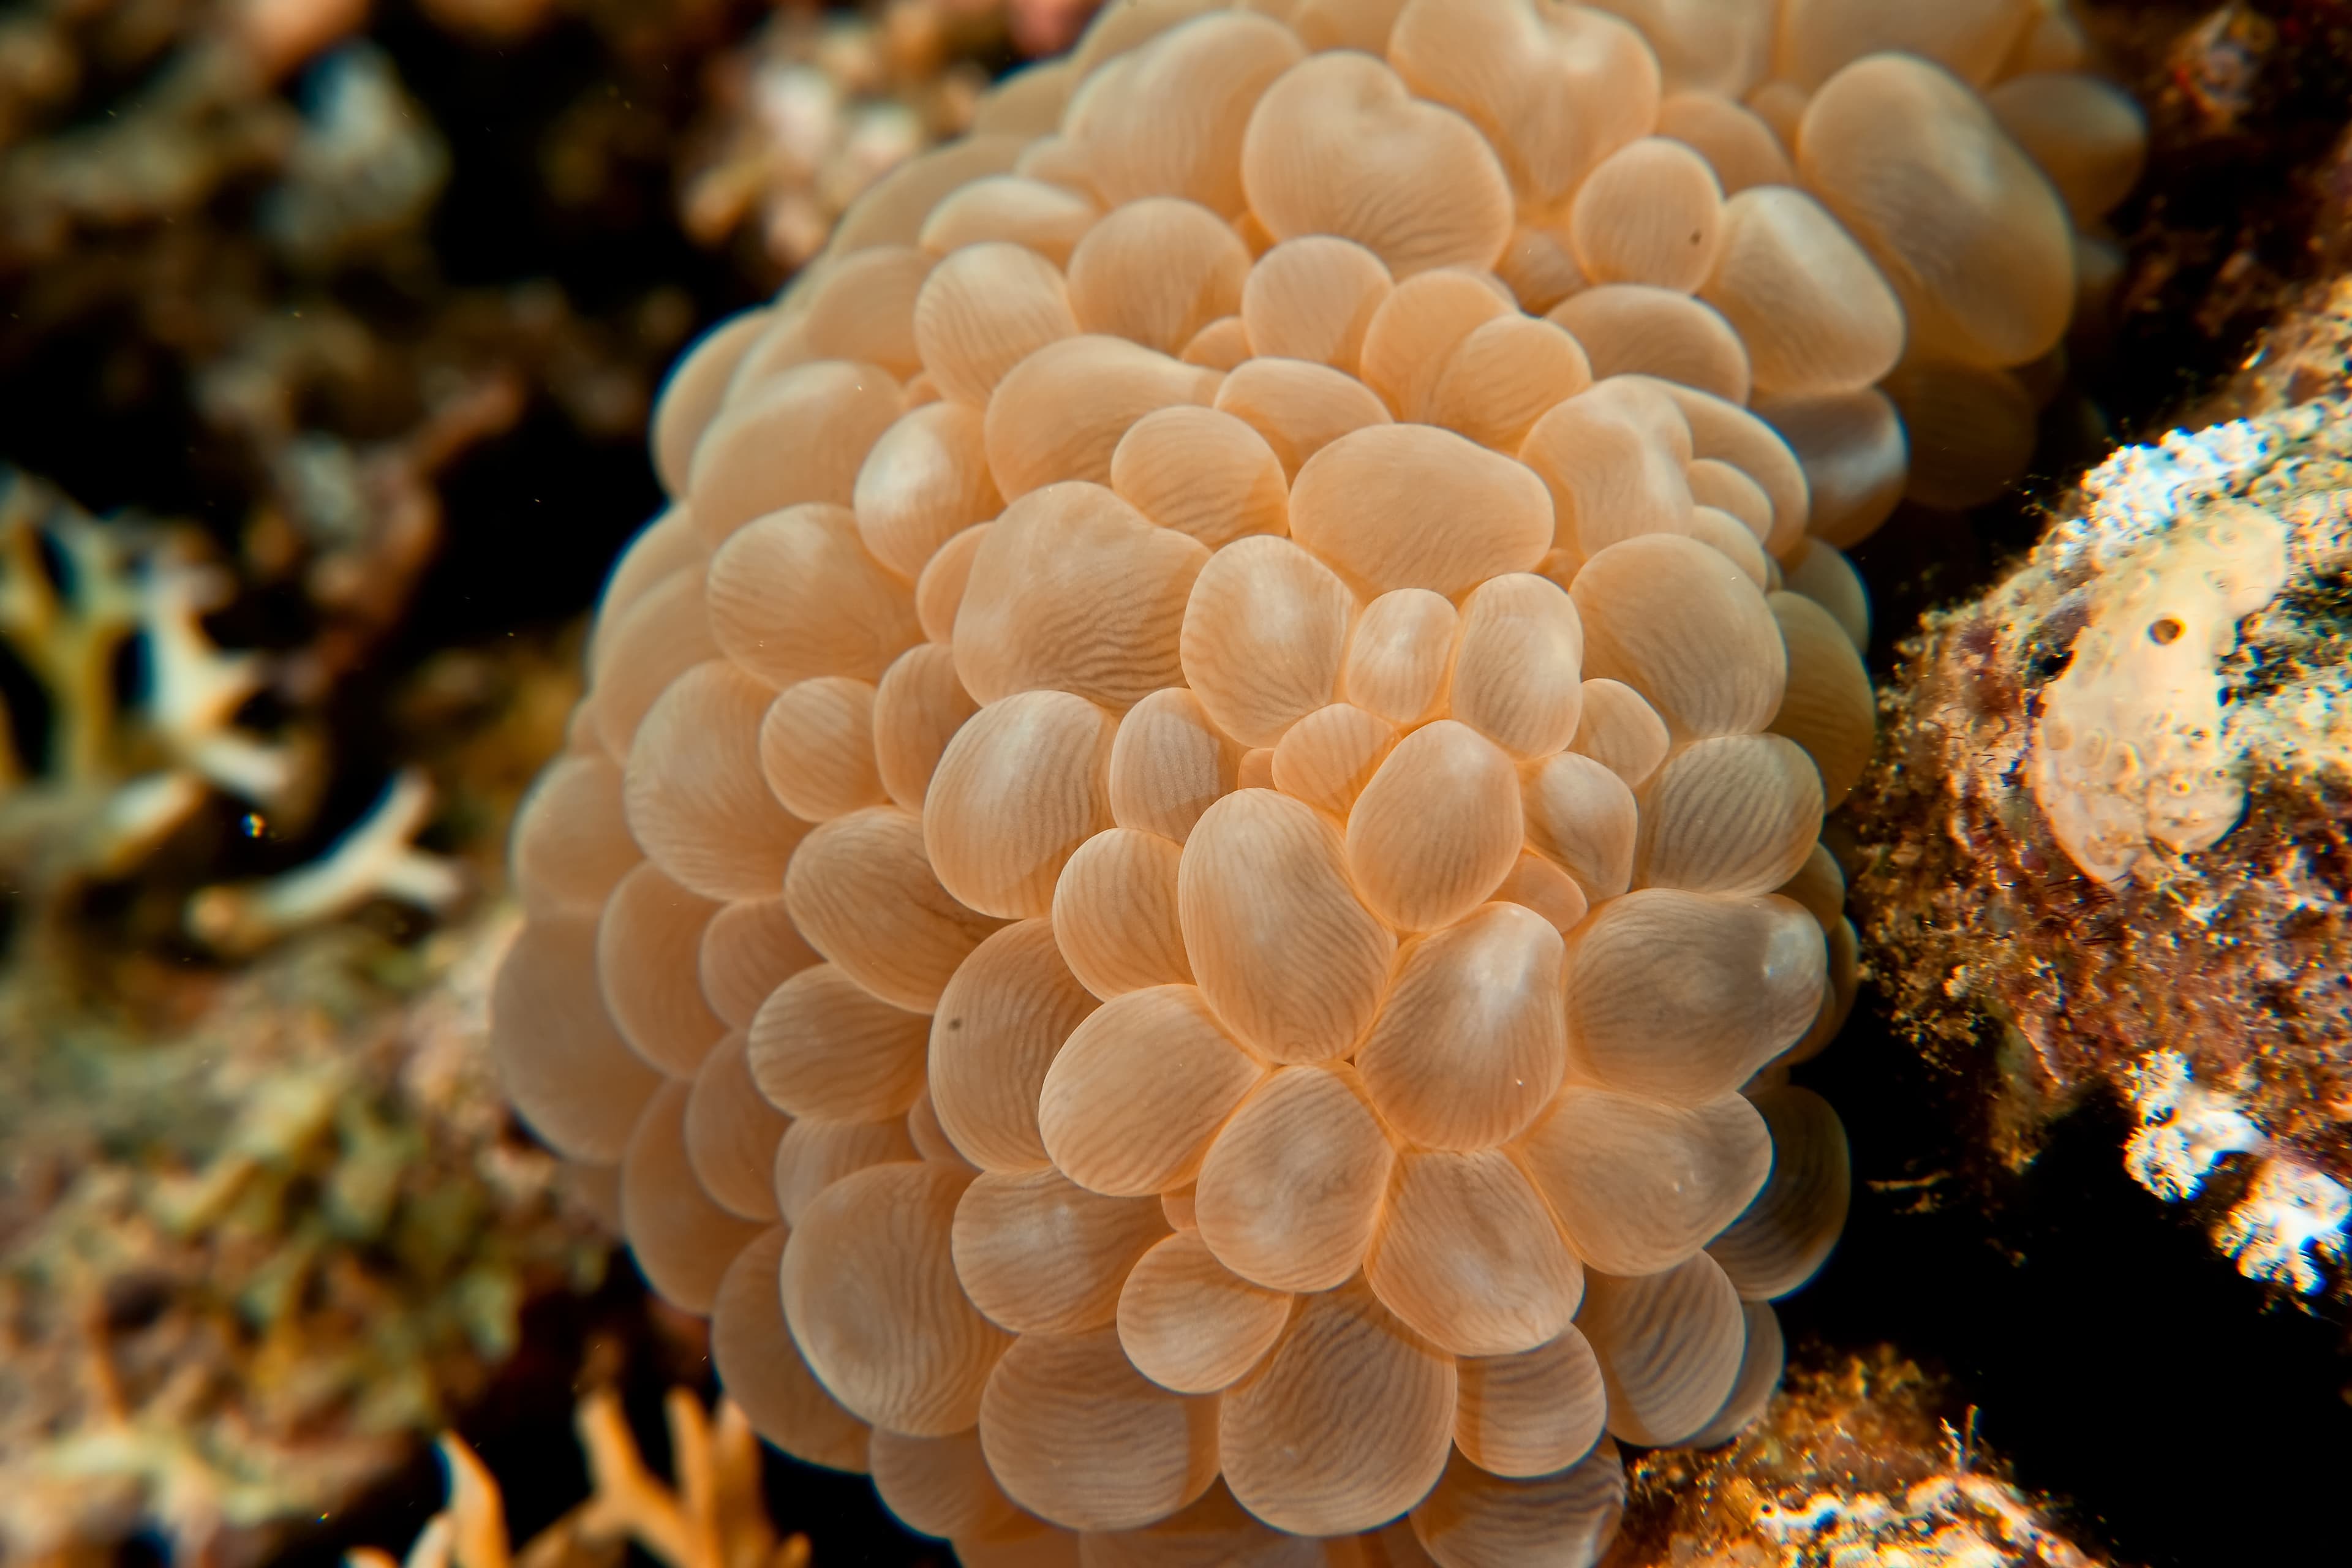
[711, 1519]
[70, 639]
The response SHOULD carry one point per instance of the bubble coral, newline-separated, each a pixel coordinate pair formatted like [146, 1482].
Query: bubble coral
[1216, 765]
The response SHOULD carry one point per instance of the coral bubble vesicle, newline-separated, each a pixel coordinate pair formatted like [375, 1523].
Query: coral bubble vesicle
[1190, 868]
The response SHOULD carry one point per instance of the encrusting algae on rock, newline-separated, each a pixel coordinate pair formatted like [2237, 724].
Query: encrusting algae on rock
[1189, 876]
[1862, 1461]
[2107, 824]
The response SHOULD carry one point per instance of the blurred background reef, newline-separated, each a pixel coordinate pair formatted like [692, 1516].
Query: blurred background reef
[332, 328]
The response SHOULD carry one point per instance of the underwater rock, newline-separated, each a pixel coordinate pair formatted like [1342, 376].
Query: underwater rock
[2104, 846]
[1861, 1458]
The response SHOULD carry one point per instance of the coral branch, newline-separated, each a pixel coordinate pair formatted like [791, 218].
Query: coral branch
[375, 859]
[711, 1519]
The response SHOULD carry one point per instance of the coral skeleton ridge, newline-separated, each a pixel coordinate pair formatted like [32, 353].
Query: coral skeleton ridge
[2186, 1128]
[2290, 1220]
[1189, 878]
[2290, 1223]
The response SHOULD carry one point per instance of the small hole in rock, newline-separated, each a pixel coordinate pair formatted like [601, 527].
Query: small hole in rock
[2163, 631]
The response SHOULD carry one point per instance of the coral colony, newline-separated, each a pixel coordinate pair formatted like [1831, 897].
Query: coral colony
[1189, 873]
[114, 779]
[711, 1519]
[246, 1261]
